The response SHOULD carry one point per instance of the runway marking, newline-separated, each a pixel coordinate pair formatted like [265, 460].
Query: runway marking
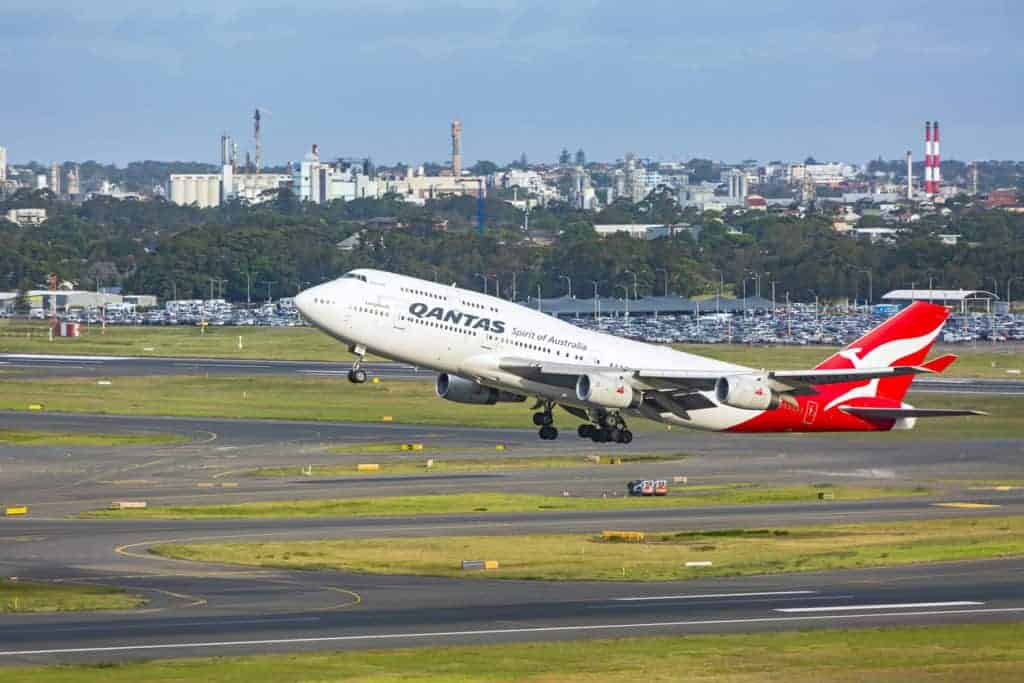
[907, 605]
[491, 632]
[712, 595]
[966, 506]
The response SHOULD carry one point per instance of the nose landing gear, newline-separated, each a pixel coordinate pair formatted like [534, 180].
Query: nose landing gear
[357, 375]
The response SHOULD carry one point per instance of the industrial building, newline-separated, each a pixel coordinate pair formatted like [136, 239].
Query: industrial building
[201, 189]
[960, 299]
[26, 217]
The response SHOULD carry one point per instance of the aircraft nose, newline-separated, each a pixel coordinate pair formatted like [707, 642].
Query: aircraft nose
[304, 301]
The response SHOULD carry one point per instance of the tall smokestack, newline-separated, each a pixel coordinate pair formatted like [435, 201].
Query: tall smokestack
[936, 166]
[910, 175]
[456, 148]
[928, 157]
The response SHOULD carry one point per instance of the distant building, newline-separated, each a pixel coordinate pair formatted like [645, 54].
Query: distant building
[72, 186]
[319, 182]
[959, 298]
[26, 217]
[55, 178]
[1002, 197]
[3, 164]
[201, 189]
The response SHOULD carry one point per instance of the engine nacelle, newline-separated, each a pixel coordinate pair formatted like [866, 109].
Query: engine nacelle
[609, 391]
[462, 390]
[746, 392]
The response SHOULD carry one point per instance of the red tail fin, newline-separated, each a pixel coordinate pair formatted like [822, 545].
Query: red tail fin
[904, 339]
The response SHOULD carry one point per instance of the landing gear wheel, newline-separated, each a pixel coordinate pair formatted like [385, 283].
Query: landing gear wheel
[548, 433]
[615, 435]
[543, 419]
[585, 431]
[599, 436]
[357, 376]
[627, 436]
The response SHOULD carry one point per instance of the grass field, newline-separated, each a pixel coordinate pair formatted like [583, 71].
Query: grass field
[268, 343]
[335, 399]
[975, 653]
[306, 343]
[446, 466]
[15, 437]
[586, 557]
[468, 503]
[28, 596]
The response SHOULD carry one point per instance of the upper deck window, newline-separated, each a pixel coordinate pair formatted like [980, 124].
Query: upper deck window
[354, 276]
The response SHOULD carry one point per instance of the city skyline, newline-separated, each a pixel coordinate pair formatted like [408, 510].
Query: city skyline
[112, 83]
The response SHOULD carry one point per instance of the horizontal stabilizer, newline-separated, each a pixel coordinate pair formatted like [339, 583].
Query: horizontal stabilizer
[897, 413]
[941, 363]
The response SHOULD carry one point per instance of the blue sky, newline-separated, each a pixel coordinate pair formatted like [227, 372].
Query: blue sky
[729, 79]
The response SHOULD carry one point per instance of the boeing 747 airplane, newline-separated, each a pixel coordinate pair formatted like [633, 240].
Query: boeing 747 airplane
[488, 350]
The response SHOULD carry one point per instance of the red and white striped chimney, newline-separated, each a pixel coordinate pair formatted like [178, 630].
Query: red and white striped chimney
[928, 157]
[936, 167]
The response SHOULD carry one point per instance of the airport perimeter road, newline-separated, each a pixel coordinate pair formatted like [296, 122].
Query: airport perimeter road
[113, 366]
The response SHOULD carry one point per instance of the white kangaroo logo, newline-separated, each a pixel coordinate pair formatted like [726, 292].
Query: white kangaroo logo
[882, 356]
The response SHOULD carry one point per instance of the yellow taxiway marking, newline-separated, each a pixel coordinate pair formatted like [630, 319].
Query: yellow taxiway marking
[966, 506]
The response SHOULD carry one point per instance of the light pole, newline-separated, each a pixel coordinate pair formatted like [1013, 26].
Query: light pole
[597, 301]
[513, 285]
[625, 289]
[569, 281]
[630, 272]
[434, 268]
[665, 271]
[871, 289]
[497, 284]
[484, 278]
[248, 289]
[1009, 301]
[268, 283]
[538, 296]
[721, 289]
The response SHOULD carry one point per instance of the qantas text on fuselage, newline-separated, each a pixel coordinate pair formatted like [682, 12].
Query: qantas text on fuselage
[488, 350]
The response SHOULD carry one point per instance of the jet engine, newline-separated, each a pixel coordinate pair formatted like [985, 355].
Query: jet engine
[604, 390]
[746, 393]
[462, 390]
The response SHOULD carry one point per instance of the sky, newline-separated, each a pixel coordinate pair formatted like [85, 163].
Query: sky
[116, 81]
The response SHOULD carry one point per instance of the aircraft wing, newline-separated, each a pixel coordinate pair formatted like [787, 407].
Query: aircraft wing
[783, 381]
[897, 413]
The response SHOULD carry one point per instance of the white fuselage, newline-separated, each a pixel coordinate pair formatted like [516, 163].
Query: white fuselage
[466, 333]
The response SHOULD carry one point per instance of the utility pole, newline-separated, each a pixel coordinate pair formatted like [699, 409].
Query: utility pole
[663, 270]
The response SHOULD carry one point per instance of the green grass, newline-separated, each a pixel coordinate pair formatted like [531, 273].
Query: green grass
[305, 343]
[586, 557]
[466, 503]
[268, 343]
[18, 437]
[419, 466]
[29, 596]
[333, 399]
[971, 653]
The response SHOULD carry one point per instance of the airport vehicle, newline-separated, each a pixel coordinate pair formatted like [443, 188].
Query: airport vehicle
[488, 350]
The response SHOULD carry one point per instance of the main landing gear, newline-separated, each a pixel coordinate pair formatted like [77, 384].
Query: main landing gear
[544, 420]
[357, 375]
[609, 429]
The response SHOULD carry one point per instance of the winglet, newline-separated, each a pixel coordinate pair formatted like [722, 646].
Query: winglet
[941, 363]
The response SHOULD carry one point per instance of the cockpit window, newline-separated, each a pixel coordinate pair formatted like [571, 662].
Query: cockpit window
[354, 276]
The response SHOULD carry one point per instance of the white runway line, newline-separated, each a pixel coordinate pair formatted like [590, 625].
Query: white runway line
[907, 605]
[703, 596]
[490, 632]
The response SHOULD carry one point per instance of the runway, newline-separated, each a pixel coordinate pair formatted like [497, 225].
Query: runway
[204, 609]
[114, 366]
